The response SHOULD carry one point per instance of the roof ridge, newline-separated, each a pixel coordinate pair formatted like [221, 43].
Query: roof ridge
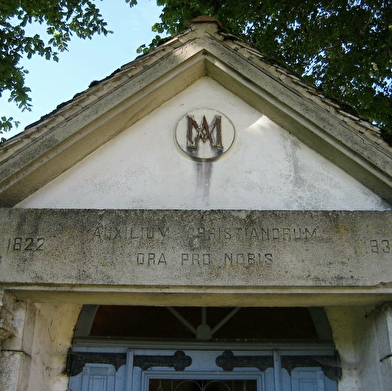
[196, 28]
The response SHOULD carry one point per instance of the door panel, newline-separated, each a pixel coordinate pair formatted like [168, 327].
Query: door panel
[201, 370]
[98, 377]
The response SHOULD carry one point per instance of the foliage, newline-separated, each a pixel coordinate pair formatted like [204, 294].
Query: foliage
[62, 18]
[6, 124]
[341, 46]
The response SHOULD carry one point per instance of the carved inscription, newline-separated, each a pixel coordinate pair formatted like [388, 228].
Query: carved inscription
[211, 248]
[248, 259]
[196, 259]
[227, 260]
[25, 244]
[151, 259]
[380, 246]
[257, 233]
[111, 232]
[247, 246]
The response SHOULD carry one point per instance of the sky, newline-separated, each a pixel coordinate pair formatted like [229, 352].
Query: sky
[53, 83]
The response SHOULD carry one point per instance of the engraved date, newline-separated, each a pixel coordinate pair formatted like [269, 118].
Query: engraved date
[26, 244]
[380, 246]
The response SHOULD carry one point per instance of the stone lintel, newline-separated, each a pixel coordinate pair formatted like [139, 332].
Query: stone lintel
[221, 252]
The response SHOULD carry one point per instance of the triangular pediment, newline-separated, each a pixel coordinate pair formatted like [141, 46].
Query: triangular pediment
[190, 68]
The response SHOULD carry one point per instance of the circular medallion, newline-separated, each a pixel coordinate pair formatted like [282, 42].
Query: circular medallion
[205, 134]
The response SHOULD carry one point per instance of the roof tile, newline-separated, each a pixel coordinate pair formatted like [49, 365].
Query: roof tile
[197, 27]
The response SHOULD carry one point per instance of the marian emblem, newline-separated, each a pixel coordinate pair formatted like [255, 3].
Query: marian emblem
[205, 134]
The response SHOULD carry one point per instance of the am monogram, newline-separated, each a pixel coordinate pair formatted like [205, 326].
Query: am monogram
[205, 134]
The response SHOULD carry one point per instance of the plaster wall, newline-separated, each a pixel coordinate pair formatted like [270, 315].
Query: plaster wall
[16, 350]
[34, 359]
[382, 345]
[265, 168]
[54, 328]
[350, 328]
[42, 369]
[362, 337]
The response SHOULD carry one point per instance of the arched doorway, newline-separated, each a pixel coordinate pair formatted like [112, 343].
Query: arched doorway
[141, 348]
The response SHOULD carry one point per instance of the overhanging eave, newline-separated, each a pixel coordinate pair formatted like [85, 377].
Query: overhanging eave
[76, 136]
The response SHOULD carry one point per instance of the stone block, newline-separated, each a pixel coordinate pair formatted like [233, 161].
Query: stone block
[14, 371]
[196, 248]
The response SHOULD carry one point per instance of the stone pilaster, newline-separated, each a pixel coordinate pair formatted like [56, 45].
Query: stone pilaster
[383, 339]
[6, 318]
[16, 337]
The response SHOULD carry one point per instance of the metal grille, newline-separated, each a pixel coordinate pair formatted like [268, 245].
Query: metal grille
[201, 385]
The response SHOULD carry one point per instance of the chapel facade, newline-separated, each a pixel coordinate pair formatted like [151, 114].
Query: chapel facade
[200, 220]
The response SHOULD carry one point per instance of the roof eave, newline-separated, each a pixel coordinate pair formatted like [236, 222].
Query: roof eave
[85, 124]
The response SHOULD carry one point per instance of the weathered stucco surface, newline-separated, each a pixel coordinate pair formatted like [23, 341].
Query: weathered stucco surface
[52, 339]
[265, 168]
[34, 357]
[363, 336]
